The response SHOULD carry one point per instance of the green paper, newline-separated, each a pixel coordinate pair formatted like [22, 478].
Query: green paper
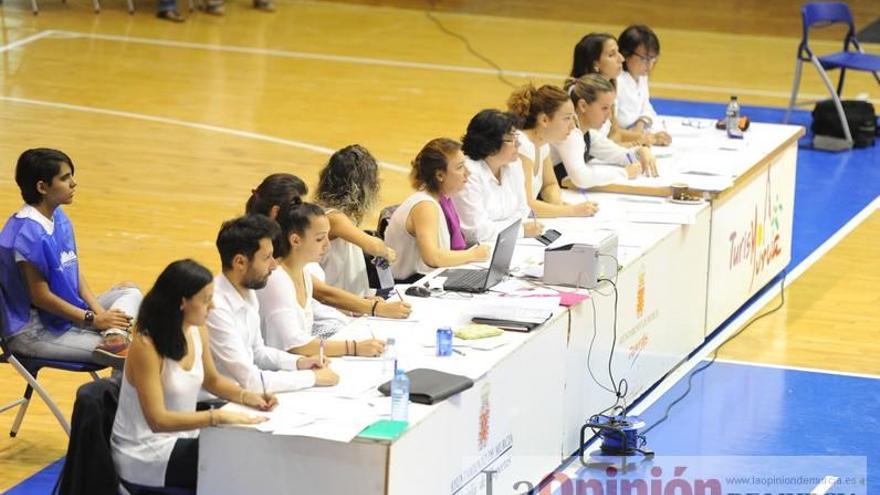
[384, 429]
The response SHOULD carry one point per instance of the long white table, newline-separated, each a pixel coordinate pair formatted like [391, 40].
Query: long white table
[531, 396]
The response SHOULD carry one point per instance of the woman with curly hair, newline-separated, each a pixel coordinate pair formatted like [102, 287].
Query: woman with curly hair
[348, 188]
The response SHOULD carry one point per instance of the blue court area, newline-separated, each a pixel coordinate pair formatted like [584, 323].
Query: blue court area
[830, 189]
[754, 410]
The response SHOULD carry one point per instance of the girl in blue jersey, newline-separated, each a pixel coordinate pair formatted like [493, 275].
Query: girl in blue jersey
[47, 306]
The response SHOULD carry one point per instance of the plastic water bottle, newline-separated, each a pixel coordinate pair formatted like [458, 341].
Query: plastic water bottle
[732, 117]
[400, 396]
[389, 358]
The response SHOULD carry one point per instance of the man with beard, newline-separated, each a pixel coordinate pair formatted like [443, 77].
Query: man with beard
[246, 254]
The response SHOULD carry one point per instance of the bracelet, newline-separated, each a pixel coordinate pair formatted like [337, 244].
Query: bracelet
[241, 397]
[373, 311]
[211, 420]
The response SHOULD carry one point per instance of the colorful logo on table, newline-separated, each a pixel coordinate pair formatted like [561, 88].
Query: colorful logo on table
[758, 243]
[485, 412]
[640, 295]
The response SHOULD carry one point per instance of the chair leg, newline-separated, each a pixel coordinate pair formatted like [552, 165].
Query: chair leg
[19, 417]
[840, 81]
[794, 90]
[94, 376]
[131, 7]
[97, 6]
[34, 7]
[836, 99]
[41, 392]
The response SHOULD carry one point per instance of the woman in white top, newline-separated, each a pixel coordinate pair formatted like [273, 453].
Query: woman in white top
[640, 49]
[155, 434]
[597, 53]
[286, 313]
[547, 116]
[348, 188]
[581, 156]
[425, 230]
[277, 190]
[494, 195]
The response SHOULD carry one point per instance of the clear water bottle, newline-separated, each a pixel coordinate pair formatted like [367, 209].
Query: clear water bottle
[389, 358]
[400, 396]
[732, 116]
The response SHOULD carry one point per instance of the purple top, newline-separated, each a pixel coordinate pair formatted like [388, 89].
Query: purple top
[456, 237]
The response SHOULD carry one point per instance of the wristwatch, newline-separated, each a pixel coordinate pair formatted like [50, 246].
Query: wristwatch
[89, 318]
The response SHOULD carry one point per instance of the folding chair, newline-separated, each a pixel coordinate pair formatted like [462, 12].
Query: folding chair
[95, 5]
[822, 14]
[28, 368]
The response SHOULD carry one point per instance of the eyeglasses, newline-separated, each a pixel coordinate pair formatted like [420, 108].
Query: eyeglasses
[648, 59]
[511, 140]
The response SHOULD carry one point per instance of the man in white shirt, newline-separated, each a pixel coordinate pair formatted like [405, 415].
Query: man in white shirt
[245, 246]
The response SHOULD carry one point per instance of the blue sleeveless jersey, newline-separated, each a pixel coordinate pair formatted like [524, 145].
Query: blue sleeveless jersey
[53, 255]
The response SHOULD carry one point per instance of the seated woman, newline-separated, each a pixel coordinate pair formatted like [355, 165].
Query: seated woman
[597, 53]
[155, 434]
[348, 188]
[267, 199]
[547, 116]
[49, 308]
[584, 148]
[494, 195]
[425, 230]
[286, 313]
[640, 48]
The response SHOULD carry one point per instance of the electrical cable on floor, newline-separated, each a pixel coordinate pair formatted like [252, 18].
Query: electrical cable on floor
[703, 367]
[500, 72]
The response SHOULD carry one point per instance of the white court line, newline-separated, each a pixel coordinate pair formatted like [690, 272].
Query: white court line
[798, 368]
[25, 41]
[824, 485]
[192, 125]
[418, 65]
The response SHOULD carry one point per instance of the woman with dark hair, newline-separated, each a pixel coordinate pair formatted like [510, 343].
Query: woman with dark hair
[348, 189]
[155, 433]
[548, 117]
[425, 230]
[640, 49]
[267, 199]
[494, 195]
[598, 53]
[586, 157]
[286, 306]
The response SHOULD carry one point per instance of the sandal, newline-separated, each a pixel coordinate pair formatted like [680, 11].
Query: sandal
[170, 15]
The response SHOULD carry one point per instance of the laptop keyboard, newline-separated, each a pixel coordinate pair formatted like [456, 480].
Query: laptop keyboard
[473, 279]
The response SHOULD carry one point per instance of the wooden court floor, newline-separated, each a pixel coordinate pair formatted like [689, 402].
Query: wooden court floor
[170, 126]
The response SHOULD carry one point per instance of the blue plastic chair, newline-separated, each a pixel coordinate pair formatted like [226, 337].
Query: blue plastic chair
[28, 368]
[822, 14]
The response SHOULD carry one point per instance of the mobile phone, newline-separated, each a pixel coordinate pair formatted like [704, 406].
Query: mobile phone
[548, 236]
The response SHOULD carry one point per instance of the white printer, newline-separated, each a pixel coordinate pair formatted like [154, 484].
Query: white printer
[580, 259]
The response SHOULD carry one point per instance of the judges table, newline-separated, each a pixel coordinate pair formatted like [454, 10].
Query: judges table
[683, 270]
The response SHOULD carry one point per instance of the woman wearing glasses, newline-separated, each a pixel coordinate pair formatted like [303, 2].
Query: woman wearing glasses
[598, 53]
[494, 195]
[640, 49]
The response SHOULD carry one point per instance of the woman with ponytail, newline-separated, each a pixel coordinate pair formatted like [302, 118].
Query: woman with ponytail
[547, 116]
[588, 158]
[267, 199]
[286, 312]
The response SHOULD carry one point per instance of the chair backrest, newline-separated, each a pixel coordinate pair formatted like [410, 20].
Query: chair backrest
[384, 219]
[823, 14]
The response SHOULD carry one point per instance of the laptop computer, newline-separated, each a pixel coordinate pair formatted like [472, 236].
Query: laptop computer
[465, 280]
